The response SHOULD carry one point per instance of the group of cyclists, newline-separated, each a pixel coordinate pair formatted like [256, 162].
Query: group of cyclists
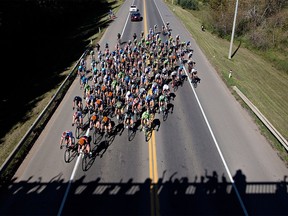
[131, 82]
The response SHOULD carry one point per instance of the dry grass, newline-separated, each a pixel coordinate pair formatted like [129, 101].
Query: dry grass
[264, 85]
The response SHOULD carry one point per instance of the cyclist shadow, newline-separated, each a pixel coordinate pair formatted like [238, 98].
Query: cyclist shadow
[170, 107]
[100, 149]
[156, 123]
[119, 129]
[134, 130]
[172, 95]
[136, 125]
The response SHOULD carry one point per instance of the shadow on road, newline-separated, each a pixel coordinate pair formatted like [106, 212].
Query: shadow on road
[209, 194]
[39, 40]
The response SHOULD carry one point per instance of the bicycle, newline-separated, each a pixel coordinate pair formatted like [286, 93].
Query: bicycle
[97, 136]
[195, 81]
[147, 132]
[66, 140]
[120, 117]
[131, 131]
[87, 160]
[109, 111]
[78, 129]
[70, 152]
[176, 84]
[164, 110]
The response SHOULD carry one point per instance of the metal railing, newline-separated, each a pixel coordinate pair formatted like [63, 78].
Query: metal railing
[265, 121]
[15, 158]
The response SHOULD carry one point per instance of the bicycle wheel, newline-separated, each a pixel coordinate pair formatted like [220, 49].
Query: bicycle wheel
[77, 132]
[94, 136]
[194, 83]
[146, 133]
[67, 155]
[165, 114]
[84, 162]
[131, 134]
[146, 136]
[120, 120]
[97, 136]
[175, 87]
[112, 112]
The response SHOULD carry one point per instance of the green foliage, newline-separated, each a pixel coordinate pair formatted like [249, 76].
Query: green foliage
[261, 25]
[189, 4]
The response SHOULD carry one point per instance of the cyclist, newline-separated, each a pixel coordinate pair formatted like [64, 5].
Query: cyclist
[84, 81]
[135, 38]
[194, 76]
[149, 100]
[119, 38]
[81, 70]
[106, 124]
[119, 109]
[155, 28]
[92, 54]
[77, 101]
[97, 47]
[84, 145]
[77, 116]
[129, 116]
[167, 26]
[163, 30]
[87, 91]
[162, 103]
[146, 119]
[94, 121]
[66, 136]
[99, 105]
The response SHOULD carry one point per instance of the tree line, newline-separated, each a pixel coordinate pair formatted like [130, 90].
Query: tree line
[262, 23]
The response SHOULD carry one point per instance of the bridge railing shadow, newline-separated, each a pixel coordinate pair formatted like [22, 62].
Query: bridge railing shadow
[209, 194]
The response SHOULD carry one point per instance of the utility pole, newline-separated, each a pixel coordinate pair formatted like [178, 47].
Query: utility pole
[233, 30]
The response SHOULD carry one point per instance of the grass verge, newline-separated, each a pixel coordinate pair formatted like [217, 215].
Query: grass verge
[263, 84]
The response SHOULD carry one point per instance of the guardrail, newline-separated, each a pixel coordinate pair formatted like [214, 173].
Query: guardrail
[10, 165]
[265, 121]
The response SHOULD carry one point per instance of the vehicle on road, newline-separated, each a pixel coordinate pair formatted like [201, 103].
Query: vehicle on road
[133, 8]
[136, 16]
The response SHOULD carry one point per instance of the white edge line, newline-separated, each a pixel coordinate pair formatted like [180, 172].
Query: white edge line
[125, 24]
[70, 181]
[78, 159]
[218, 148]
[213, 137]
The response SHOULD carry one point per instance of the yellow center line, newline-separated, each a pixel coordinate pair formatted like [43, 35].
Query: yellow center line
[153, 171]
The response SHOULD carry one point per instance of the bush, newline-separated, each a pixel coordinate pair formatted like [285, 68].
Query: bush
[189, 4]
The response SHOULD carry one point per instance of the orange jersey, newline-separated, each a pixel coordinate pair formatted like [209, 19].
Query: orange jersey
[81, 141]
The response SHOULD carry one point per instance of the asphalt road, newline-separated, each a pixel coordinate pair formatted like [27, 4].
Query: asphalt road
[208, 157]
